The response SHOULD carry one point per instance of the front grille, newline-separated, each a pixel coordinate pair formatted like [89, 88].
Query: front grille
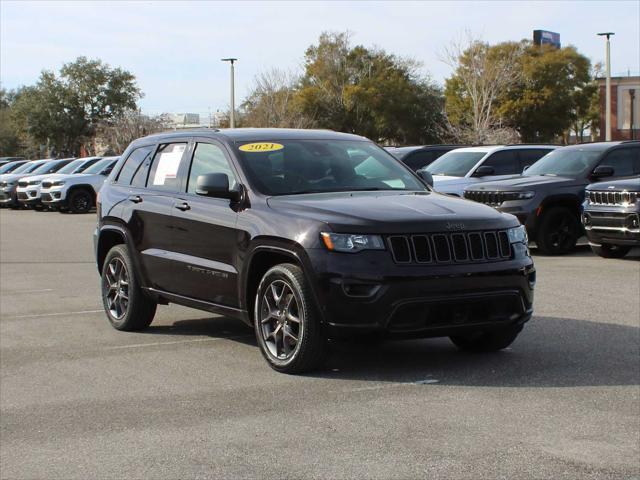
[493, 199]
[450, 247]
[610, 220]
[23, 184]
[46, 197]
[23, 196]
[47, 184]
[612, 198]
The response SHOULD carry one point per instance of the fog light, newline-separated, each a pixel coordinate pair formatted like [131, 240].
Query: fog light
[632, 221]
[586, 219]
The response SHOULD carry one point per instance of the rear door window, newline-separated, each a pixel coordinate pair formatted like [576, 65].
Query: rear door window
[504, 162]
[165, 167]
[132, 164]
[418, 160]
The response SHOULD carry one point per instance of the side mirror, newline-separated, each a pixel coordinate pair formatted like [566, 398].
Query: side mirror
[426, 176]
[526, 167]
[216, 185]
[603, 171]
[483, 171]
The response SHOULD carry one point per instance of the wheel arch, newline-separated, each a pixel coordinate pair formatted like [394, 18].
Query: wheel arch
[260, 258]
[572, 202]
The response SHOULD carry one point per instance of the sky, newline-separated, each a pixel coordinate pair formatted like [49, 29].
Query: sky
[174, 48]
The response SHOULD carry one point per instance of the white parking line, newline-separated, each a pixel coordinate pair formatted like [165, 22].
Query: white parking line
[41, 290]
[36, 315]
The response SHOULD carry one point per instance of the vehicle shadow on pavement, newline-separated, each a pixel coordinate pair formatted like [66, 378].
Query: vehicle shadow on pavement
[214, 327]
[550, 352]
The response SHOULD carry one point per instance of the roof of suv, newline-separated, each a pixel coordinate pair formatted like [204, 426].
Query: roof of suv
[602, 145]
[493, 148]
[258, 134]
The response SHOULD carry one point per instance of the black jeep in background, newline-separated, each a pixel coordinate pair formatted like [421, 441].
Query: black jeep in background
[611, 217]
[547, 197]
[417, 157]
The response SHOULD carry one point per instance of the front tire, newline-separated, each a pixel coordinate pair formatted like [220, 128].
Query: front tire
[126, 305]
[611, 251]
[559, 231]
[80, 201]
[287, 324]
[487, 341]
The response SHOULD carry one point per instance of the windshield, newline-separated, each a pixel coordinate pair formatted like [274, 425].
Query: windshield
[71, 167]
[10, 167]
[569, 162]
[28, 167]
[99, 166]
[50, 167]
[312, 166]
[455, 163]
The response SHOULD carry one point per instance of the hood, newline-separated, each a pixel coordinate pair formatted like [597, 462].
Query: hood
[391, 212]
[523, 182]
[629, 185]
[38, 177]
[14, 177]
[447, 180]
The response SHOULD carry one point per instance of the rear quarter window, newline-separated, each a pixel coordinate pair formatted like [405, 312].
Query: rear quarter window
[132, 164]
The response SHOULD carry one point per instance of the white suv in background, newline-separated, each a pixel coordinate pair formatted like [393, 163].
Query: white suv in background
[28, 190]
[457, 169]
[76, 192]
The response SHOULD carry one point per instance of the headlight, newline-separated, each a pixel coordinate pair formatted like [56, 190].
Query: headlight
[3, 184]
[58, 183]
[34, 182]
[351, 243]
[518, 235]
[518, 195]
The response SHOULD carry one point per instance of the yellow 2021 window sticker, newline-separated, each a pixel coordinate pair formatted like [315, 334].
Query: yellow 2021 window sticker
[261, 147]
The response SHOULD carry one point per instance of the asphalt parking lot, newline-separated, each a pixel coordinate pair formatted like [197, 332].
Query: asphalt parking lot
[192, 397]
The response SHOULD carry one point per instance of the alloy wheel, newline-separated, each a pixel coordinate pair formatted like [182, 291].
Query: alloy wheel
[116, 288]
[281, 320]
[81, 203]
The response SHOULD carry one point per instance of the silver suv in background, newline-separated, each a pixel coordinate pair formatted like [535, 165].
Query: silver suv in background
[76, 192]
[459, 168]
[9, 181]
[28, 191]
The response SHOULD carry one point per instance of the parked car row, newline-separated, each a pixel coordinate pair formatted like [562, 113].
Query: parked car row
[544, 187]
[68, 184]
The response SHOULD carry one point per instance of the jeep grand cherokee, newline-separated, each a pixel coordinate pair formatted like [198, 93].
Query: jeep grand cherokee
[305, 235]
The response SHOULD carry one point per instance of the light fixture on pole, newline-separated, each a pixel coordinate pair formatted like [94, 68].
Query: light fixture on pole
[607, 86]
[232, 116]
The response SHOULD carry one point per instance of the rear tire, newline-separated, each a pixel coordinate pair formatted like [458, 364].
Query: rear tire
[287, 323]
[80, 201]
[559, 231]
[611, 251]
[487, 341]
[126, 305]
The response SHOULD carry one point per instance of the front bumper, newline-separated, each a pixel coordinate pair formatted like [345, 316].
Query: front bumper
[8, 196]
[612, 227]
[28, 196]
[53, 198]
[367, 292]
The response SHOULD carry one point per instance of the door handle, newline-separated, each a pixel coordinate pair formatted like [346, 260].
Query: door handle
[135, 198]
[184, 206]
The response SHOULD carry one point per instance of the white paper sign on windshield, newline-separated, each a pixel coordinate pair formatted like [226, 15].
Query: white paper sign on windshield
[168, 163]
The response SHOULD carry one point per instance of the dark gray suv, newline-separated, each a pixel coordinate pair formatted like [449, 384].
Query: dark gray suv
[547, 197]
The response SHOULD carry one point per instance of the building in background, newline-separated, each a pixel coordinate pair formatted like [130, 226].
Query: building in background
[625, 108]
[544, 37]
[182, 120]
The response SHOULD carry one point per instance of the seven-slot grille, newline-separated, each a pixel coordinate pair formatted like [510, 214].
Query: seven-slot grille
[459, 247]
[493, 199]
[612, 198]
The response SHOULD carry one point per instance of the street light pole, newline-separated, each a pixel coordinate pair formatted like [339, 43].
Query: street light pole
[232, 116]
[608, 86]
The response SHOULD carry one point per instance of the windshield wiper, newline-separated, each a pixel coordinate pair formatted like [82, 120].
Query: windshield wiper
[336, 190]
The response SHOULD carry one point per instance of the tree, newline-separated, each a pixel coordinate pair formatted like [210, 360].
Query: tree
[552, 94]
[9, 135]
[64, 111]
[271, 102]
[116, 134]
[368, 92]
[482, 74]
